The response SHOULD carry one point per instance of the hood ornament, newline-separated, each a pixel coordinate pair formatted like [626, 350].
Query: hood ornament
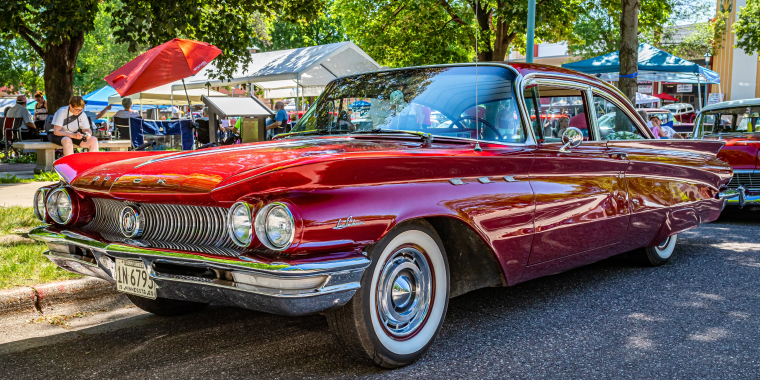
[348, 222]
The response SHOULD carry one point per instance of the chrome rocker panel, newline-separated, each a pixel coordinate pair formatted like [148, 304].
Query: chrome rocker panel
[342, 276]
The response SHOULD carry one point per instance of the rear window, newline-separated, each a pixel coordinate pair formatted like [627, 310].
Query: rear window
[729, 120]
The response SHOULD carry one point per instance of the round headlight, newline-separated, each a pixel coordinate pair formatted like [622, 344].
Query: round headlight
[39, 204]
[59, 206]
[239, 224]
[275, 226]
[129, 222]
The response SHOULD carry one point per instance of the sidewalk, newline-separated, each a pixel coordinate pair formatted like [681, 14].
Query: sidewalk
[18, 194]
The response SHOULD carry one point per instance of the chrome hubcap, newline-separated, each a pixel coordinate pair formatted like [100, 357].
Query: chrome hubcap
[404, 292]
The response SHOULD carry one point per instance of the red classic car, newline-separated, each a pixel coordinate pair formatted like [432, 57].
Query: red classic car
[736, 123]
[380, 225]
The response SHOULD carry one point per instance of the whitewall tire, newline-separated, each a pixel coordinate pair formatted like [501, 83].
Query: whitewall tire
[657, 255]
[394, 318]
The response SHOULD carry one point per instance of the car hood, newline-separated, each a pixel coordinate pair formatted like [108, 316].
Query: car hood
[741, 150]
[202, 170]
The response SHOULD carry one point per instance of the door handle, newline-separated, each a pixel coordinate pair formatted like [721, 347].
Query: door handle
[619, 155]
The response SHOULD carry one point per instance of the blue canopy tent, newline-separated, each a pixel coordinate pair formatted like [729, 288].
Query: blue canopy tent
[100, 96]
[654, 65]
[360, 104]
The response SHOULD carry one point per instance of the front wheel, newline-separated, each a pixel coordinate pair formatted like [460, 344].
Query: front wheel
[657, 255]
[395, 316]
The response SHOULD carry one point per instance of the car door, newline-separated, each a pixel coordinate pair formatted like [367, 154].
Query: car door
[581, 196]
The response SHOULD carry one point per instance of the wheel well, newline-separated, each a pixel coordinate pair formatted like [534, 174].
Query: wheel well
[472, 264]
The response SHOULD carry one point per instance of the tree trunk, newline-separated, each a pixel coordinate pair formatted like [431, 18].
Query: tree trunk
[629, 47]
[60, 63]
[485, 50]
[502, 41]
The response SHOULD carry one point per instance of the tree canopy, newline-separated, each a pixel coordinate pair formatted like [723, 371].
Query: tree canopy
[56, 30]
[745, 27]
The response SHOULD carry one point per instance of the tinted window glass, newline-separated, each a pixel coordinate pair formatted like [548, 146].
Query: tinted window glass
[438, 100]
[566, 109]
[531, 102]
[613, 123]
[731, 120]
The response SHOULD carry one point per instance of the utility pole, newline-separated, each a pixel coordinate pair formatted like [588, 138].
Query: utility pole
[530, 45]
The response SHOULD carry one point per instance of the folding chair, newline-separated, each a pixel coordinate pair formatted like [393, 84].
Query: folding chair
[11, 133]
[121, 128]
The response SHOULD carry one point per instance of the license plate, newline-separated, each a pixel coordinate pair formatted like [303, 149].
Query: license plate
[132, 277]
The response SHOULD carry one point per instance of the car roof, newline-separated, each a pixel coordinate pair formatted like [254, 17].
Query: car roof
[732, 104]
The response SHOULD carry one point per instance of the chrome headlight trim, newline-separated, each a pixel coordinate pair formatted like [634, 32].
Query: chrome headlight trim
[51, 205]
[130, 213]
[260, 224]
[231, 227]
[40, 214]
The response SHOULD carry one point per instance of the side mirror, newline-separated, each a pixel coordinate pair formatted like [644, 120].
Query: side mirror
[572, 137]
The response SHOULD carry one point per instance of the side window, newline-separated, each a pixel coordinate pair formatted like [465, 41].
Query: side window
[613, 123]
[560, 108]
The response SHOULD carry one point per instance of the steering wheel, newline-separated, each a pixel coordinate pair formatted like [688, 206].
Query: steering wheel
[489, 125]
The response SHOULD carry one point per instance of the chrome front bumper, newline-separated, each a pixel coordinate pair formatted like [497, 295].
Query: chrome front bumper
[176, 274]
[739, 197]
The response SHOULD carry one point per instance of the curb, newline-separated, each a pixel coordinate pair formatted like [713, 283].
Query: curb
[41, 296]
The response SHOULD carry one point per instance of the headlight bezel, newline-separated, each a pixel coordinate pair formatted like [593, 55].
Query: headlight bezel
[231, 228]
[52, 211]
[40, 214]
[260, 224]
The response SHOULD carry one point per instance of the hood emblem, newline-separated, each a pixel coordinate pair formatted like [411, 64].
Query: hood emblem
[348, 222]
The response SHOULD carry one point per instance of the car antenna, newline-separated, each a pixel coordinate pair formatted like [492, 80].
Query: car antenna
[477, 130]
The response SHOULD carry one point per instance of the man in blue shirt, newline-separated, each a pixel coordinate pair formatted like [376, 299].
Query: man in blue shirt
[277, 126]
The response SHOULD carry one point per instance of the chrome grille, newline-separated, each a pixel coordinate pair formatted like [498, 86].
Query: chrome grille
[750, 181]
[177, 227]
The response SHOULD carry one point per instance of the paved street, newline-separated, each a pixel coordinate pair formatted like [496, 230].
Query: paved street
[697, 317]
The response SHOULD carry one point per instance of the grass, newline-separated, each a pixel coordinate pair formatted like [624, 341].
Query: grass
[21, 260]
[42, 177]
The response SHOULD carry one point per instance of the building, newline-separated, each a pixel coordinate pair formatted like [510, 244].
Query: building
[545, 53]
[739, 71]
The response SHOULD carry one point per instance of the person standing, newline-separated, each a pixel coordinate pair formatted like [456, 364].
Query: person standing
[40, 108]
[71, 127]
[18, 111]
[277, 125]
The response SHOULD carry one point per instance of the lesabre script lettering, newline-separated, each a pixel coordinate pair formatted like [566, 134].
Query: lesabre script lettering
[347, 223]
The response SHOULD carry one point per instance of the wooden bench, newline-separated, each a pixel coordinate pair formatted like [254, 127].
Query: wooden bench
[46, 151]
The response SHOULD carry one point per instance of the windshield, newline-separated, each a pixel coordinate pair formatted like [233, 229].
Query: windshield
[663, 116]
[730, 120]
[436, 100]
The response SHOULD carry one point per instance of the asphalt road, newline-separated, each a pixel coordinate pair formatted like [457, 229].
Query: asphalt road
[696, 318]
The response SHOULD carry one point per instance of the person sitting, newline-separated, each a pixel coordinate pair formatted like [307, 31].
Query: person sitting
[40, 111]
[654, 125]
[276, 125]
[70, 127]
[564, 123]
[18, 111]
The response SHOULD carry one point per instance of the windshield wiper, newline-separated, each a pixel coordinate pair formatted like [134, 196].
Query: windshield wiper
[307, 133]
[426, 137]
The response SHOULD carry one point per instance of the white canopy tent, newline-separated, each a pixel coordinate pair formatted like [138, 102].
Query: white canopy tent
[644, 98]
[292, 73]
[163, 95]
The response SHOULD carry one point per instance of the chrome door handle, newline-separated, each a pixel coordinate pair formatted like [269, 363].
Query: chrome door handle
[619, 155]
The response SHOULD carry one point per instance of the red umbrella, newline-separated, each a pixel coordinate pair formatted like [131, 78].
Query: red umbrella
[665, 96]
[165, 63]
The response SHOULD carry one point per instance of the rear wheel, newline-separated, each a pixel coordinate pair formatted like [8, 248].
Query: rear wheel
[165, 307]
[395, 316]
[657, 255]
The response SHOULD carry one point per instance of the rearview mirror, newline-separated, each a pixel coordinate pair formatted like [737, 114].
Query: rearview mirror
[572, 137]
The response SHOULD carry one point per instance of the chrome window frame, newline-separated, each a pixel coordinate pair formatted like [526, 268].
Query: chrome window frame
[632, 115]
[565, 81]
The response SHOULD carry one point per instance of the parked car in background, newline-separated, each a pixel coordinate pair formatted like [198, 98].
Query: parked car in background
[378, 224]
[683, 112]
[665, 116]
[736, 123]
